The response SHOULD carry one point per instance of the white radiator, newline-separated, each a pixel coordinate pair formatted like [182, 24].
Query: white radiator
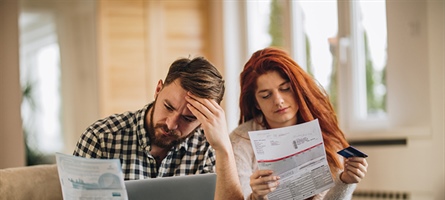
[380, 195]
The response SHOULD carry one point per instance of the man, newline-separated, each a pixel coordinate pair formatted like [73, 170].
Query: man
[182, 132]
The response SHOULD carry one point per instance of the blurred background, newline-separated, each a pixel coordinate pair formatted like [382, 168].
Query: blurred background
[66, 63]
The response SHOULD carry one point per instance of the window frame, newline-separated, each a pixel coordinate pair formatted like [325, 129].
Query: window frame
[351, 69]
[354, 116]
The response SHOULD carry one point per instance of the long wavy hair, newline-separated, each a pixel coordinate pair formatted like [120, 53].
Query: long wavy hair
[312, 99]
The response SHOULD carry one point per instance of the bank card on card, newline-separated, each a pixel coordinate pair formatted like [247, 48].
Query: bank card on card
[351, 152]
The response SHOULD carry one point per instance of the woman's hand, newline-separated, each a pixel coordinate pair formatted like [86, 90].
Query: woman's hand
[355, 170]
[262, 183]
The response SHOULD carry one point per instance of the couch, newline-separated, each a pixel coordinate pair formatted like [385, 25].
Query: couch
[39, 182]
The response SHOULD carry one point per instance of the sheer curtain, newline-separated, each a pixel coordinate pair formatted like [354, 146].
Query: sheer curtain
[58, 74]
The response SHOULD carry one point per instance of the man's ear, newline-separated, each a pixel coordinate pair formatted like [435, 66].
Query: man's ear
[158, 88]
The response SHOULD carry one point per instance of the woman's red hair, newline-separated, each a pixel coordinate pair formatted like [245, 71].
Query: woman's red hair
[312, 100]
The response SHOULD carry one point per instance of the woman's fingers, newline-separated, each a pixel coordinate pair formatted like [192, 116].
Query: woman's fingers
[355, 170]
[263, 182]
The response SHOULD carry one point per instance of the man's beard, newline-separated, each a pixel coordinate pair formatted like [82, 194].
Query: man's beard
[166, 142]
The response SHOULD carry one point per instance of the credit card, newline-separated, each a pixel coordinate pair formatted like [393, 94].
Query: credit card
[351, 152]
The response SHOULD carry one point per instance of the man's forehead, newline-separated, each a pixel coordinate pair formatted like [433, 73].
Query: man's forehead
[174, 96]
[179, 106]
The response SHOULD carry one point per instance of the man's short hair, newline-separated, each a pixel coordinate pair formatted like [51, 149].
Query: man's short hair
[198, 76]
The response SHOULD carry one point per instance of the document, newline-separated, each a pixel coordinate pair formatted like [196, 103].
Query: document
[297, 155]
[85, 178]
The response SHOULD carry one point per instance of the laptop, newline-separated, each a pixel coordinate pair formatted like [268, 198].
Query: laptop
[189, 187]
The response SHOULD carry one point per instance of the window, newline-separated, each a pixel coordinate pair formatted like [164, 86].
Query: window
[258, 17]
[342, 45]
[315, 27]
[369, 43]
[40, 80]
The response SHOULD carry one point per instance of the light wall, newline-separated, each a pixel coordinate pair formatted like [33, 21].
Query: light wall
[12, 149]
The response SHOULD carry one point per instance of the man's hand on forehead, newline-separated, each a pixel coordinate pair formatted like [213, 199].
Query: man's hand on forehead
[212, 118]
[198, 104]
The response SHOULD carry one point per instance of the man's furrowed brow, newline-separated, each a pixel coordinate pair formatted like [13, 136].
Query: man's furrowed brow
[169, 105]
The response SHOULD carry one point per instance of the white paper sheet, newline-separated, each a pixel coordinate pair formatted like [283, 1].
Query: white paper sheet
[84, 178]
[297, 155]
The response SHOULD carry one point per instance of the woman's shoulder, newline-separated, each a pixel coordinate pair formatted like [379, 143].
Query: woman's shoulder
[243, 129]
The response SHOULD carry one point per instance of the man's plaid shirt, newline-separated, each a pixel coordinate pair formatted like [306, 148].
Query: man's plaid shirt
[123, 136]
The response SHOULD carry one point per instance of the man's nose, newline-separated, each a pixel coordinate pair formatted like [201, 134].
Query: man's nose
[172, 122]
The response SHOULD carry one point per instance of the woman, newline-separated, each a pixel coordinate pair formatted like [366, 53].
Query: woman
[276, 92]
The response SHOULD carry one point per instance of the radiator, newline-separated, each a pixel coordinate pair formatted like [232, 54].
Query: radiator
[380, 195]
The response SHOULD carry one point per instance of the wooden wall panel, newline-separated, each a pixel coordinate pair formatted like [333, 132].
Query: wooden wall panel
[122, 53]
[139, 39]
[178, 29]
